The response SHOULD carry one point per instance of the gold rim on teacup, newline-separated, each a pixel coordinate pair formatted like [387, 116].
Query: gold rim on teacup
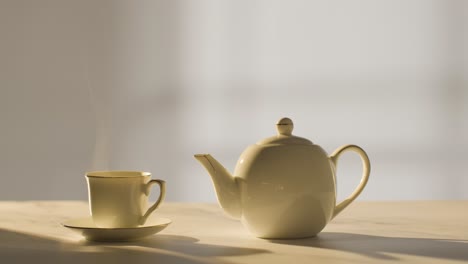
[117, 174]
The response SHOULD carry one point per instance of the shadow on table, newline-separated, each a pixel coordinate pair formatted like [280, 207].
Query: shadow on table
[378, 246]
[16, 247]
[184, 244]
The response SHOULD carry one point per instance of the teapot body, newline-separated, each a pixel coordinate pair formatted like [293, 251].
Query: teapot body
[285, 191]
[283, 186]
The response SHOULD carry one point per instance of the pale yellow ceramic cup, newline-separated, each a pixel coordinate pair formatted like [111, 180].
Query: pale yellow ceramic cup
[120, 198]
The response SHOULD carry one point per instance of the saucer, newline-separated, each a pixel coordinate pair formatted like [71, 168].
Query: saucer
[87, 228]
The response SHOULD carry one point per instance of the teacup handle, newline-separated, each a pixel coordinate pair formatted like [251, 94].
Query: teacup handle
[365, 174]
[162, 194]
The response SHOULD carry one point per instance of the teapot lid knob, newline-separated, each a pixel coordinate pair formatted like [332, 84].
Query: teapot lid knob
[285, 126]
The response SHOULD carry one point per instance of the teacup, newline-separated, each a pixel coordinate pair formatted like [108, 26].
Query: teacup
[120, 198]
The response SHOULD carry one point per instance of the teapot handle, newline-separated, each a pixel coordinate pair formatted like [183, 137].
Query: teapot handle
[365, 174]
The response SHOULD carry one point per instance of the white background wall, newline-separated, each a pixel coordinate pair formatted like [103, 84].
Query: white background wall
[88, 85]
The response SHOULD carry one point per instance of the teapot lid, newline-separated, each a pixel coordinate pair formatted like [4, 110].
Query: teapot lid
[285, 127]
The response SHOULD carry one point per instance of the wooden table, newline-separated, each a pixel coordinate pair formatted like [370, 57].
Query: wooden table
[366, 232]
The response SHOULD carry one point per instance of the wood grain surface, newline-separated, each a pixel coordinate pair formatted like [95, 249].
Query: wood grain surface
[366, 232]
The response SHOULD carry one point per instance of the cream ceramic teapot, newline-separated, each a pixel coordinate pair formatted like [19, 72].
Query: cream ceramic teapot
[283, 186]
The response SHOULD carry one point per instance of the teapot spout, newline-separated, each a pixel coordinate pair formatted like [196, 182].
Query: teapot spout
[227, 189]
